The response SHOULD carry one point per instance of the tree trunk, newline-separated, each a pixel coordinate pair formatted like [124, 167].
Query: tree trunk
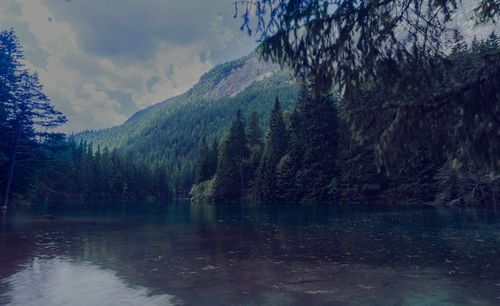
[10, 174]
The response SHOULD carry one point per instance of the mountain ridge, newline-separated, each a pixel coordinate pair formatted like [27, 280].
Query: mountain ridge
[168, 132]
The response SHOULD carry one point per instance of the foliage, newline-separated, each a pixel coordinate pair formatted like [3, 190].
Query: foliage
[81, 173]
[466, 187]
[256, 147]
[206, 163]
[203, 192]
[171, 131]
[432, 135]
[275, 148]
[231, 175]
[319, 134]
[27, 117]
[457, 126]
[345, 41]
[362, 46]
[297, 162]
[254, 130]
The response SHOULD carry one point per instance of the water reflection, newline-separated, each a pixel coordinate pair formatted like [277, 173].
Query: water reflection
[255, 255]
[59, 281]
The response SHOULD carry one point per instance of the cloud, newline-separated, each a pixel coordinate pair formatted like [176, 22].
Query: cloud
[100, 61]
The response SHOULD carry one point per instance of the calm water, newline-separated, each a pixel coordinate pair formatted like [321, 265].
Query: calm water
[183, 254]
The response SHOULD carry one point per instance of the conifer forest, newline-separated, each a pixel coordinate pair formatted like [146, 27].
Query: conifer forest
[250, 152]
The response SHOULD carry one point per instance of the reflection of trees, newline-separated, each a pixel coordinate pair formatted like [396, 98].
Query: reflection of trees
[228, 236]
[181, 247]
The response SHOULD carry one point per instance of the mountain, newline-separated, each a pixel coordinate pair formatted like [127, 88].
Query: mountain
[169, 132]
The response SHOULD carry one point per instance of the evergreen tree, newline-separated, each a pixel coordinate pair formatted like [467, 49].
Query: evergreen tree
[255, 145]
[9, 58]
[291, 163]
[161, 187]
[203, 162]
[319, 120]
[213, 157]
[277, 138]
[254, 130]
[275, 148]
[77, 172]
[230, 179]
[27, 112]
[411, 80]
[286, 179]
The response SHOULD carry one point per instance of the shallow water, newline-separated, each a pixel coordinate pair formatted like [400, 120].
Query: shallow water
[183, 254]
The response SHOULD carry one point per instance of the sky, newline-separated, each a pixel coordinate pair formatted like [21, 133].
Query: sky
[101, 61]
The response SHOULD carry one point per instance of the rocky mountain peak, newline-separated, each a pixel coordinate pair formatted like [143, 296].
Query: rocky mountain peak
[241, 76]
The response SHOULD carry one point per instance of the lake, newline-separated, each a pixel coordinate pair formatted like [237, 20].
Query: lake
[182, 254]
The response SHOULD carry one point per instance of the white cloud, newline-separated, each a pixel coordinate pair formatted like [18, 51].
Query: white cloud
[186, 68]
[101, 89]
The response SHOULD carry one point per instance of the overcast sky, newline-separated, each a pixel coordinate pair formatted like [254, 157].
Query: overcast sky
[101, 61]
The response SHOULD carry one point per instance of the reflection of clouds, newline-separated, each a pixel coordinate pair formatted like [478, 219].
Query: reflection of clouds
[60, 282]
[278, 254]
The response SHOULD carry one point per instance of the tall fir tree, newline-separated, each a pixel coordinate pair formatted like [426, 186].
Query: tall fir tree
[213, 157]
[27, 116]
[255, 145]
[291, 163]
[203, 162]
[9, 58]
[254, 130]
[275, 148]
[231, 176]
[318, 174]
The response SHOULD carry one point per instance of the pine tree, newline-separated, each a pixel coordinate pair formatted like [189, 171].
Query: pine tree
[291, 163]
[9, 58]
[231, 177]
[203, 163]
[319, 119]
[254, 130]
[415, 97]
[213, 157]
[27, 112]
[255, 145]
[275, 148]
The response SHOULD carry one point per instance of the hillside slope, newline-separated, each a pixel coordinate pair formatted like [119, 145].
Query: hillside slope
[169, 132]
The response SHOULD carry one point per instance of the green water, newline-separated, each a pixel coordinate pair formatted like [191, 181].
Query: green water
[182, 254]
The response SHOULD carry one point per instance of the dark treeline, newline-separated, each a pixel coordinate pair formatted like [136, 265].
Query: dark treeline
[419, 102]
[37, 164]
[324, 151]
[26, 119]
[170, 132]
[295, 161]
[349, 147]
[82, 173]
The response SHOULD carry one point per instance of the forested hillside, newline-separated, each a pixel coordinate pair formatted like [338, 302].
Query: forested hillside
[39, 164]
[151, 156]
[170, 132]
[327, 151]
[388, 119]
